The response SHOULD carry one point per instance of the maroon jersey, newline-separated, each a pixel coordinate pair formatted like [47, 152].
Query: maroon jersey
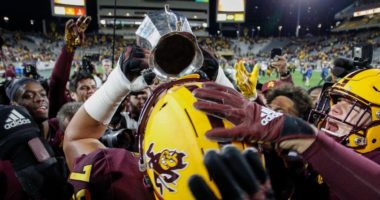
[348, 174]
[108, 174]
[10, 187]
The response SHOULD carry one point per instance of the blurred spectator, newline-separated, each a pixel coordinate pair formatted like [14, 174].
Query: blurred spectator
[106, 64]
[82, 86]
[10, 72]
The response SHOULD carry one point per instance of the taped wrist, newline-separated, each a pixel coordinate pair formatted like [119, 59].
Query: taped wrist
[102, 105]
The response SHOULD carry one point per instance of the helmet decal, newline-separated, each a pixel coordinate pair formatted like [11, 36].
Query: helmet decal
[165, 164]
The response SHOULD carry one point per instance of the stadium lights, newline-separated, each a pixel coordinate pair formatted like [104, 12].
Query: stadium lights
[319, 25]
[6, 19]
[279, 28]
[299, 27]
[32, 22]
[218, 32]
[258, 28]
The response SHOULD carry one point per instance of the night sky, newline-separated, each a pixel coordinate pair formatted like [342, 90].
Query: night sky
[268, 14]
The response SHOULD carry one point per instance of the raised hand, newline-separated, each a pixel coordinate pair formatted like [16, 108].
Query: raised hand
[252, 121]
[280, 64]
[74, 32]
[237, 176]
[133, 61]
[245, 81]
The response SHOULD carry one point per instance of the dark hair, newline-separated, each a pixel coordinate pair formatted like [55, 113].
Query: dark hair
[78, 76]
[135, 93]
[15, 85]
[298, 95]
[67, 111]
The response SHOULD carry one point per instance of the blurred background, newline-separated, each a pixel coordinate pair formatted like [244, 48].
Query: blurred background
[312, 33]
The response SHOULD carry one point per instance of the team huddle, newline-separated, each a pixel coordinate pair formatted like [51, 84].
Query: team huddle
[168, 123]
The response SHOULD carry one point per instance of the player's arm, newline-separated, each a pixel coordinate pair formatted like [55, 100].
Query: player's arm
[89, 123]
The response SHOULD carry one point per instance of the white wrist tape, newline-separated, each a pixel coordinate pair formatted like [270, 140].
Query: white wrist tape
[102, 105]
[222, 79]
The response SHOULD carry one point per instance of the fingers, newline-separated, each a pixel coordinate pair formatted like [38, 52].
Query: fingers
[240, 169]
[200, 189]
[254, 75]
[87, 20]
[220, 110]
[227, 186]
[241, 75]
[219, 97]
[280, 63]
[225, 135]
[80, 20]
[82, 23]
[134, 66]
[211, 86]
[146, 52]
[254, 161]
[126, 54]
[215, 86]
[241, 68]
[70, 24]
[138, 52]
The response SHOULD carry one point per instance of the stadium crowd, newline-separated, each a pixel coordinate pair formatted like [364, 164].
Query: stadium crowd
[77, 134]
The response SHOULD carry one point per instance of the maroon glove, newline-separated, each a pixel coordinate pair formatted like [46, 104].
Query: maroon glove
[253, 122]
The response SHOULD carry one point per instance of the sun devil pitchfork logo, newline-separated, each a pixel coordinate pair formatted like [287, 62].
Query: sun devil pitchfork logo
[165, 165]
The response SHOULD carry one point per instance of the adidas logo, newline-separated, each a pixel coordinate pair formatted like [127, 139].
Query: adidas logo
[15, 119]
[268, 115]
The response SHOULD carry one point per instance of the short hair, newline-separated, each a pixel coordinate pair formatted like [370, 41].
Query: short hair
[67, 111]
[78, 76]
[298, 95]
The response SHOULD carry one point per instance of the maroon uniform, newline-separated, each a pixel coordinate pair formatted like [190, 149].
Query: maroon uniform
[58, 80]
[108, 174]
[10, 187]
[335, 161]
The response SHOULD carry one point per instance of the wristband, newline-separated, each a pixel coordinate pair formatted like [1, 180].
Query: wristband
[102, 105]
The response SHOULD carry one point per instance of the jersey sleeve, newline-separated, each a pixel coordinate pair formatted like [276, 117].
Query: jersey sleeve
[348, 174]
[108, 174]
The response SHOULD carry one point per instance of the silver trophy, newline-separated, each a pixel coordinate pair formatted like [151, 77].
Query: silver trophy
[174, 48]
